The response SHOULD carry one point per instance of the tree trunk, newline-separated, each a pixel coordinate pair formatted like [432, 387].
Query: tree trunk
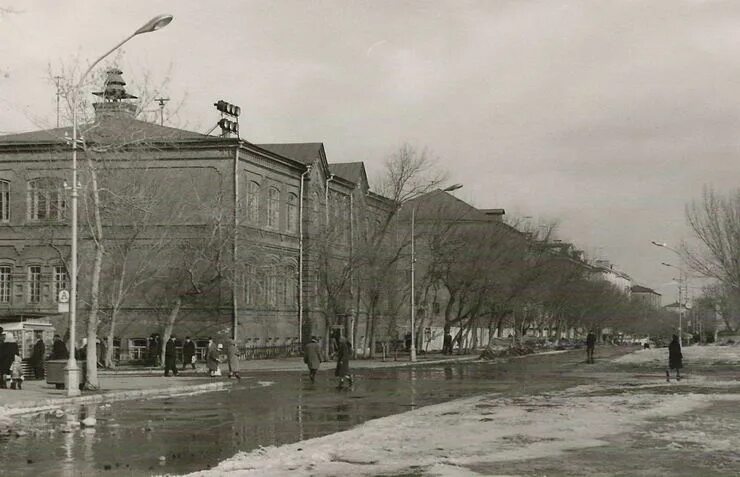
[92, 381]
[168, 327]
[109, 339]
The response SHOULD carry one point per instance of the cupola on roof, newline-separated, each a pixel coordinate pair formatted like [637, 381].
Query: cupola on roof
[114, 86]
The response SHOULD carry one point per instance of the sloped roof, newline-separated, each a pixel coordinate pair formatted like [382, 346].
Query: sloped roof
[641, 289]
[107, 128]
[304, 152]
[351, 171]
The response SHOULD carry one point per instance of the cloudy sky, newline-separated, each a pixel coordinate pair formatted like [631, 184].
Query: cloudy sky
[607, 116]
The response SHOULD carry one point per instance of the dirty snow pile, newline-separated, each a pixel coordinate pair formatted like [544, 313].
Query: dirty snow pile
[442, 439]
[694, 355]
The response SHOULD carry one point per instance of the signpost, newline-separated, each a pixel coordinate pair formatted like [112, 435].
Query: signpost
[63, 301]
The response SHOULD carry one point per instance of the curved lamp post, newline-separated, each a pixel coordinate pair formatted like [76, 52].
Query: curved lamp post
[681, 275]
[71, 371]
[413, 261]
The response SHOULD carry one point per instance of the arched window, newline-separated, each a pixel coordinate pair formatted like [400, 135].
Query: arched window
[4, 201]
[273, 208]
[272, 288]
[292, 213]
[253, 202]
[248, 283]
[46, 199]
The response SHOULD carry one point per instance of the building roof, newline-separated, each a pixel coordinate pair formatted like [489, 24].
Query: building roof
[352, 171]
[641, 289]
[105, 129]
[304, 152]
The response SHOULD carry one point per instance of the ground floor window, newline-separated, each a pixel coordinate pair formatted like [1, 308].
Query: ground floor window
[137, 349]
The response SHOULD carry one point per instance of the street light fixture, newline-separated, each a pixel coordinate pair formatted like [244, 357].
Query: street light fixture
[413, 261]
[71, 371]
[682, 277]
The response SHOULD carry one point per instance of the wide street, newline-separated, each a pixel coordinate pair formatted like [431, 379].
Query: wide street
[279, 408]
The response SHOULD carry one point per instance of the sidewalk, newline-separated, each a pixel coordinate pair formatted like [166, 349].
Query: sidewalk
[137, 382]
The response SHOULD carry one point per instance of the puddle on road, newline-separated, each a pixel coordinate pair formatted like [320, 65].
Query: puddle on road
[184, 434]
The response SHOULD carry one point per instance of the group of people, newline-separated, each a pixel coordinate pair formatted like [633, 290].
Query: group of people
[11, 364]
[313, 356]
[214, 357]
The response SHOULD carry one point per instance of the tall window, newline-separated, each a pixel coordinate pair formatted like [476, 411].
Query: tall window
[4, 201]
[253, 202]
[292, 213]
[60, 280]
[248, 285]
[46, 199]
[273, 208]
[291, 286]
[5, 284]
[34, 284]
[270, 286]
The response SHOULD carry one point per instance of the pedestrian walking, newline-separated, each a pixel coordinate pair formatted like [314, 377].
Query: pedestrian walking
[2, 351]
[16, 372]
[407, 341]
[170, 355]
[213, 358]
[59, 349]
[37, 358]
[344, 351]
[313, 356]
[188, 353]
[590, 346]
[675, 359]
[447, 343]
[232, 353]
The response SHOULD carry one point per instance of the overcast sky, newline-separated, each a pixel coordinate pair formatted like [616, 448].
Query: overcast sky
[608, 116]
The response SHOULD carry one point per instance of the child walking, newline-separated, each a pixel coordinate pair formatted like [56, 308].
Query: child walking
[16, 373]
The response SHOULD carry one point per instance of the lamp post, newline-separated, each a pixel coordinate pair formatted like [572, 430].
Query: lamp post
[71, 371]
[413, 261]
[681, 277]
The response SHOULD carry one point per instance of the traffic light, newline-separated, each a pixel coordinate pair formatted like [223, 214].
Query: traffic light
[228, 108]
[228, 126]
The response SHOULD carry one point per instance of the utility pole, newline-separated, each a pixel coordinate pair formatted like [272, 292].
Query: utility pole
[57, 79]
[161, 102]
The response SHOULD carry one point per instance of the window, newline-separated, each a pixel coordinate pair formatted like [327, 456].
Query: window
[4, 201]
[282, 289]
[34, 284]
[291, 286]
[5, 284]
[137, 349]
[248, 286]
[292, 213]
[253, 202]
[60, 280]
[46, 199]
[273, 208]
[271, 289]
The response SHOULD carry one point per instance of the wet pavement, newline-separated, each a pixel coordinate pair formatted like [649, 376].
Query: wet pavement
[183, 434]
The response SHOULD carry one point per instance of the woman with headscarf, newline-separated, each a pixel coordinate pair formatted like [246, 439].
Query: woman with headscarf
[213, 358]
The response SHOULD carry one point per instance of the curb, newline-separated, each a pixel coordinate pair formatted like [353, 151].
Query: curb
[112, 396]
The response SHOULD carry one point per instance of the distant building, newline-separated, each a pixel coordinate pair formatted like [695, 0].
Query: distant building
[606, 271]
[647, 296]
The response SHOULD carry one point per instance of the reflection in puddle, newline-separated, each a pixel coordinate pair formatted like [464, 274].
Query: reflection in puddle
[178, 435]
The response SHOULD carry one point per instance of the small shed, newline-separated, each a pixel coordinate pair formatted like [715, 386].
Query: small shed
[27, 332]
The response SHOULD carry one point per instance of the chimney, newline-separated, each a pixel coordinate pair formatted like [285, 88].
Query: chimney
[113, 96]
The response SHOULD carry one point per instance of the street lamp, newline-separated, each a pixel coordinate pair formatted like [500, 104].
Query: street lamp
[681, 275]
[71, 371]
[413, 261]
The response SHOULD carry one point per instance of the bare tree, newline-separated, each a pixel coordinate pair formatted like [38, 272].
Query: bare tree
[715, 221]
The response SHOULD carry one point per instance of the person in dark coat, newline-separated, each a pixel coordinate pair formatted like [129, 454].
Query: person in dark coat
[407, 340]
[590, 346]
[232, 353]
[675, 359]
[213, 358]
[7, 354]
[3, 385]
[37, 358]
[188, 353]
[447, 343]
[313, 356]
[170, 354]
[59, 349]
[344, 351]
